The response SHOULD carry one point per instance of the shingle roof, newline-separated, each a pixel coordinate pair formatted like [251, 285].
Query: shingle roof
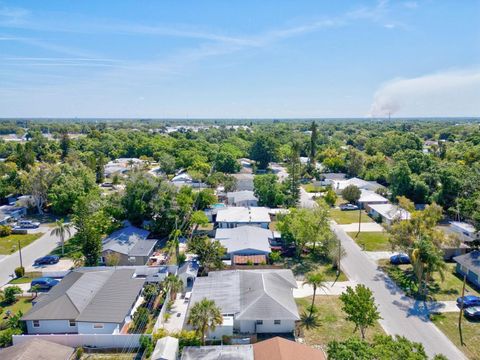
[371, 196]
[245, 237]
[282, 349]
[243, 215]
[225, 352]
[243, 195]
[37, 349]
[250, 294]
[90, 295]
[470, 261]
[130, 241]
[390, 211]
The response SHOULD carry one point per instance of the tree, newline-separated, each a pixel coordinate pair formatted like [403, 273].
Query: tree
[330, 197]
[204, 199]
[198, 218]
[427, 259]
[400, 179]
[167, 163]
[317, 281]
[9, 294]
[205, 316]
[226, 162]
[355, 162]
[140, 319]
[263, 150]
[359, 305]
[210, 252]
[38, 181]
[112, 259]
[313, 144]
[293, 179]
[60, 230]
[173, 284]
[351, 193]
[268, 190]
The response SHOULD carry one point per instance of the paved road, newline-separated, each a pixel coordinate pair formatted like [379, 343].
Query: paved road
[38, 248]
[401, 315]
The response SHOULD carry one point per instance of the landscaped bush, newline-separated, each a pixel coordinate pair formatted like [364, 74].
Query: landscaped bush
[9, 294]
[5, 230]
[19, 271]
[146, 345]
[79, 353]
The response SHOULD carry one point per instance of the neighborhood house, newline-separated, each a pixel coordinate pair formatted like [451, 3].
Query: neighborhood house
[465, 231]
[232, 217]
[244, 198]
[388, 213]
[469, 265]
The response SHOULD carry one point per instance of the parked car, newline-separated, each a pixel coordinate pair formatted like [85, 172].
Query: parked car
[399, 259]
[468, 301]
[27, 224]
[47, 260]
[44, 283]
[473, 313]
[348, 207]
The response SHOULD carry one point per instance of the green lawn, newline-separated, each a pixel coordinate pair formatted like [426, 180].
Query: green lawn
[349, 217]
[9, 244]
[71, 246]
[312, 188]
[439, 290]
[22, 280]
[372, 241]
[23, 304]
[306, 264]
[448, 323]
[332, 323]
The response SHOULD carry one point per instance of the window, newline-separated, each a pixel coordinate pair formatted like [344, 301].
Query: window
[259, 322]
[277, 322]
[98, 326]
[36, 323]
[72, 323]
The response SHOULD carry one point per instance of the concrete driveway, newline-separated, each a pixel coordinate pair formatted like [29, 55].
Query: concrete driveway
[62, 265]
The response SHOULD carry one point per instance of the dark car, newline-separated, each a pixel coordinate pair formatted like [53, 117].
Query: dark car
[44, 283]
[473, 313]
[399, 259]
[47, 260]
[468, 301]
[348, 207]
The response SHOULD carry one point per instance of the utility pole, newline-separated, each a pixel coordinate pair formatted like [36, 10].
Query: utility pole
[359, 220]
[20, 253]
[460, 316]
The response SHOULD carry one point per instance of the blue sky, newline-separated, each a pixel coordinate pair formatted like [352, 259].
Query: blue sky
[239, 59]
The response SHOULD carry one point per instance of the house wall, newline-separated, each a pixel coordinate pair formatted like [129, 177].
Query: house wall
[248, 252]
[51, 327]
[472, 276]
[268, 326]
[108, 328]
[231, 225]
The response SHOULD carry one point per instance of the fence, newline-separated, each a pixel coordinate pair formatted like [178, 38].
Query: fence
[101, 341]
[161, 315]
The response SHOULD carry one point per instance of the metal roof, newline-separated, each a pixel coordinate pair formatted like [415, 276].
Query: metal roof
[390, 211]
[242, 195]
[252, 214]
[222, 352]
[130, 240]
[470, 261]
[245, 237]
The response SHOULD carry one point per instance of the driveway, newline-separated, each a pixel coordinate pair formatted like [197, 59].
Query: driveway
[40, 247]
[178, 313]
[306, 199]
[62, 265]
[400, 314]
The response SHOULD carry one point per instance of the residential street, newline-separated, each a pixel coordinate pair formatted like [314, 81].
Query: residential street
[401, 315]
[38, 248]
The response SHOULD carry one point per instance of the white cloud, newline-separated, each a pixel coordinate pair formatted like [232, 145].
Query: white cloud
[447, 93]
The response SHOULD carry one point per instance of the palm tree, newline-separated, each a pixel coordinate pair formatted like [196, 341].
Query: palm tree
[427, 259]
[316, 280]
[173, 283]
[61, 229]
[205, 316]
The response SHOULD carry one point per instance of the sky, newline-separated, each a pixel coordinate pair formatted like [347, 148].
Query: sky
[239, 58]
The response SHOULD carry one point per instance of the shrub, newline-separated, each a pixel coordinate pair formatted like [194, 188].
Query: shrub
[275, 256]
[146, 345]
[79, 353]
[6, 336]
[5, 230]
[19, 271]
[140, 318]
[10, 292]
[161, 333]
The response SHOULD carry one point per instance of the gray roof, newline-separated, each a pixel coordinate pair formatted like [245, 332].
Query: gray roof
[37, 349]
[223, 352]
[101, 295]
[244, 215]
[245, 237]
[250, 294]
[165, 349]
[130, 240]
[242, 195]
[470, 261]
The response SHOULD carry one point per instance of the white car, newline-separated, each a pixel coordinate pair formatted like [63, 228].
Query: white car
[27, 224]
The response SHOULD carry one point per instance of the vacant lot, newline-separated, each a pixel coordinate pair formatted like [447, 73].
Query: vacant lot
[448, 323]
[306, 264]
[372, 241]
[9, 244]
[332, 323]
[349, 217]
[448, 289]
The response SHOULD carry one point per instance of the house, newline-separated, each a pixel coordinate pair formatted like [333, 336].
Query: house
[243, 198]
[245, 240]
[388, 213]
[9, 213]
[368, 197]
[469, 264]
[166, 348]
[227, 352]
[87, 301]
[339, 184]
[188, 273]
[251, 301]
[283, 349]
[244, 181]
[465, 231]
[37, 349]
[232, 217]
[130, 244]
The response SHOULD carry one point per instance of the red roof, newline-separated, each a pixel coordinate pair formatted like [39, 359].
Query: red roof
[282, 349]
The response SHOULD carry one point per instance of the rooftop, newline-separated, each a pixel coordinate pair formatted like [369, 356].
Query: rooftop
[223, 352]
[37, 349]
[243, 195]
[371, 196]
[130, 240]
[245, 237]
[243, 214]
[470, 261]
[283, 349]
[390, 211]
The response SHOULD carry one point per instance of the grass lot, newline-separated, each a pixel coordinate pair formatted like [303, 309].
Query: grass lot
[71, 246]
[332, 323]
[307, 264]
[372, 241]
[109, 356]
[449, 289]
[22, 280]
[312, 188]
[448, 323]
[349, 217]
[9, 244]
[23, 304]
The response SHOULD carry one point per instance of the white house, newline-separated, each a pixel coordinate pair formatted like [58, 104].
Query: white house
[339, 184]
[251, 301]
[10, 213]
[87, 301]
[232, 217]
[243, 198]
[465, 231]
[368, 197]
[245, 240]
[388, 213]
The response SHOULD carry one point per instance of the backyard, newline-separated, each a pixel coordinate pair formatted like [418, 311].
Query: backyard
[448, 323]
[9, 244]
[448, 289]
[349, 217]
[332, 323]
[306, 264]
[372, 241]
[23, 304]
